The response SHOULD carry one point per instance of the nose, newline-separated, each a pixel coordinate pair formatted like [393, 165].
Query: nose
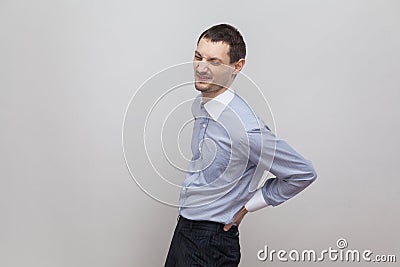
[202, 66]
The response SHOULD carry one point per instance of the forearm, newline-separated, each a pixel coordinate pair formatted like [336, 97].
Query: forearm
[293, 173]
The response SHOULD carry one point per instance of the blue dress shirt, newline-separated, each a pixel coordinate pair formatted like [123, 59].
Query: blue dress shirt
[233, 153]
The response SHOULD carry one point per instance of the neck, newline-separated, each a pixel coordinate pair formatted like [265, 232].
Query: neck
[209, 95]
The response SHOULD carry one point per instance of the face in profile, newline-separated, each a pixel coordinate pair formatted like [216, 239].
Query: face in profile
[212, 68]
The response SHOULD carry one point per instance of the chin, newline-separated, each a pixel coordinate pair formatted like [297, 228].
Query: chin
[202, 86]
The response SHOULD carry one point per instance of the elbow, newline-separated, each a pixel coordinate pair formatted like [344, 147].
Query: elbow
[312, 174]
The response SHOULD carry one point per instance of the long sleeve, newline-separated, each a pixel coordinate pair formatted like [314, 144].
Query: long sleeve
[293, 172]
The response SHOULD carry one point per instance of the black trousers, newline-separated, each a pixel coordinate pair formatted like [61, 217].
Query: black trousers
[203, 243]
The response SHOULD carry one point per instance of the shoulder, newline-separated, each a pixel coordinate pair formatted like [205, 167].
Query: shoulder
[242, 110]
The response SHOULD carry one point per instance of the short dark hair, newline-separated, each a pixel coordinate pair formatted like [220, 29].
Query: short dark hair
[229, 35]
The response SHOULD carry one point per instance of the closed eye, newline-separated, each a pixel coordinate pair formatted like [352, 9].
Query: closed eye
[215, 62]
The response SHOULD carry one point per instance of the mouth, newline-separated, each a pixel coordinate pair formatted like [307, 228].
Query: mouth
[202, 78]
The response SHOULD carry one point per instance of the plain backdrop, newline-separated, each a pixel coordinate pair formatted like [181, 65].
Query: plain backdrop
[68, 69]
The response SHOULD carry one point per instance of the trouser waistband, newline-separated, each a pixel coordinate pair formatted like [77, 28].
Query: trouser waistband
[203, 225]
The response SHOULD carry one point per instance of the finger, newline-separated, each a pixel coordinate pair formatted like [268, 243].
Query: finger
[227, 227]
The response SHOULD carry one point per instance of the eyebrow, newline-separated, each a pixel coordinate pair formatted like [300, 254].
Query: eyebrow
[209, 59]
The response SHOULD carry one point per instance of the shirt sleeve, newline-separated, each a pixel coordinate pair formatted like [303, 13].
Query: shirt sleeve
[256, 202]
[293, 172]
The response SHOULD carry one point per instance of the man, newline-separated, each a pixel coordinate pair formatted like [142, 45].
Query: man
[232, 149]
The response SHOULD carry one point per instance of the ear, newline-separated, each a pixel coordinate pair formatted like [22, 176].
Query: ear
[238, 66]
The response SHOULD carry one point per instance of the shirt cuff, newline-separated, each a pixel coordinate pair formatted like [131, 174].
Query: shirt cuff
[256, 202]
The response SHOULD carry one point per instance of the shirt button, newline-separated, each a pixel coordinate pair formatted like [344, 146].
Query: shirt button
[204, 125]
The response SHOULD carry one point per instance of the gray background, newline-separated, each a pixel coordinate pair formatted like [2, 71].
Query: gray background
[69, 68]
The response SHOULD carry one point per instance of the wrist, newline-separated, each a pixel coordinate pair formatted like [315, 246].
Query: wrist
[243, 210]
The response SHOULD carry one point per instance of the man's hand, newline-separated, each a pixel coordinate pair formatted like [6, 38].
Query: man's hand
[237, 219]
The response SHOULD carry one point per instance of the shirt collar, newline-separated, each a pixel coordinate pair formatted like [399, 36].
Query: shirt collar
[215, 106]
